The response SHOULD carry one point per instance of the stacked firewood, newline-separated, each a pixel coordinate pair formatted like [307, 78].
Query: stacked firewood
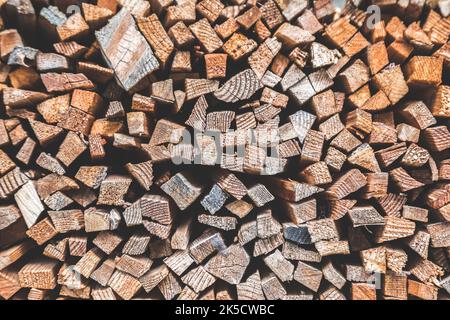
[224, 149]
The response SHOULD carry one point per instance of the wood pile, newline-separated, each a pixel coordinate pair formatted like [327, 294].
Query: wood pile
[224, 149]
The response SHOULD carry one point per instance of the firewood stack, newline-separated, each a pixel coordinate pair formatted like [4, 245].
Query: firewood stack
[216, 149]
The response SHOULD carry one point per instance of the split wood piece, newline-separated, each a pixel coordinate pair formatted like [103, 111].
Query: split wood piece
[206, 35]
[292, 36]
[323, 229]
[100, 219]
[249, 17]
[115, 110]
[308, 276]
[227, 28]
[169, 287]
[124, 285]
[239, 208]
[251, 289]
[260, 195]
[240, 87]
[264, 246]
[206, 244]
[231, 184]
[181, 236]
[54, 109]
[308, 21]
[374, 260]
[88, 262]
[297, 234]
[14, 253]
[182, 62]
[364, 157]
[260, 60]
[10, 39]
[196, 88]
[332, 247]
[363, 291]
[292, 190]
[420, 243]
[302, 91]
[46, 161]
[266, 225]
[312, 147]
[18, 98]
[182, 189]
[437, 138]
[292, 76]
[350, 182]
[335, 159]
[293, 251]
[424, 71]
[92, 176]
[239, 46]
[280, 266]
[71, 148]
[219, 121]
[143, 103]
[334, 276]
[167, 132]
[114, 44]
[407, 133]
[198, 279]
[427, 272]
[382, 133]
[74, 28]
[51, 62]
[272, 287]
[301, 212]
[391, 81]
[42, 231]
[214, 200]
[288, 149]
[28, 201]
[142, 172]
[415, 156]
[302, 122]
[136, 266]
[395, 228]
[159, 40]
[403, 180]
[103, 273]
[355, 45]
[439, 234]
[216, 65]
[137, 123]
[77, 246]
[365, 215]
[422, 291]
[179, 262]
[440, 106]
[181, 36]
[355, 76]
[64, 82]
[18, 134]
[70, 49]
[67, 220]
[395, 286]
[317, 174]
[87, 101]
[38, 275]
[113, 189]
[399, 51]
